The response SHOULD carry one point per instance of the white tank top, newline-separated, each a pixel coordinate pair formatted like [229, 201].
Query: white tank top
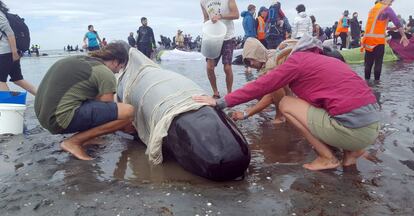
[216, 7]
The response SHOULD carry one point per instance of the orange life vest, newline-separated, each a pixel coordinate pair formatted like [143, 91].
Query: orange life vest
[261, 32]
[340, 28]
[375, 29]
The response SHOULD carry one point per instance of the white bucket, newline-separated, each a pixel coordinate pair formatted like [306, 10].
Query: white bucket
[11, 118]
[213, 38]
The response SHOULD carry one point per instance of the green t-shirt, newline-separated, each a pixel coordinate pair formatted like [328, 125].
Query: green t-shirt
[67, 84]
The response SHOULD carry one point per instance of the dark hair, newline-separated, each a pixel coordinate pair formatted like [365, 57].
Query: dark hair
[3, 7]
[90, 26]
[113, 51]
[143, 18]
[246, 62]
[312, 17]
[328, 51]
[346, 13]
[251, 7]
[301, 8]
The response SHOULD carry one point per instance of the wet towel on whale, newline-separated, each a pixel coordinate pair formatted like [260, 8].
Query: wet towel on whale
[158, 96]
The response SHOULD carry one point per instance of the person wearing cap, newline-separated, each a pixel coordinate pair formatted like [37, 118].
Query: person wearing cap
[145, 39]
[333, 107]
[374, 40]
[225, 11]
[343, 28]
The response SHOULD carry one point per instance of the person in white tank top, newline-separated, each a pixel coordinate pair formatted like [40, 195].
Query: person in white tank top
[226, 11]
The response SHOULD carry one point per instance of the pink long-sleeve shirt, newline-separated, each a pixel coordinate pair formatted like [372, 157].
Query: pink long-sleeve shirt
[322, 81]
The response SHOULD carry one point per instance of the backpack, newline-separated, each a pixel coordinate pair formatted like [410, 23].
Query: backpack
[273, 14]
[272, 28]
[21, 31]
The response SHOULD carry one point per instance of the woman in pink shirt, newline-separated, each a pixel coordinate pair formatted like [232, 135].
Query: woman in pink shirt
[334, 106]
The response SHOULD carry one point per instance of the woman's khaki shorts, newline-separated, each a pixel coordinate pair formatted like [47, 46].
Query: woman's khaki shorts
[329, 131]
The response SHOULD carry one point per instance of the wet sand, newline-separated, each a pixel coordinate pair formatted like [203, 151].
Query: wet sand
[36, 178]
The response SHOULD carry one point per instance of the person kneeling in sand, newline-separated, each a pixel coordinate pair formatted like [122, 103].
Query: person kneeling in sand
[77, 96]
[255, 55]
[334, 106]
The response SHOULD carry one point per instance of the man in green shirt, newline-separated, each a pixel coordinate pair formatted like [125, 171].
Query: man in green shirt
[77, 96]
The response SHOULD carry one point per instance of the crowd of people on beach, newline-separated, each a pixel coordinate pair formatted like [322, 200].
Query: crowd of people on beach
[311, 87]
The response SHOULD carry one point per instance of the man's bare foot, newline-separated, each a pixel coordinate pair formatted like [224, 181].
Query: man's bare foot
[351, 157]
[279, 120]
[322, 164]
[95, 141]
[75, 150]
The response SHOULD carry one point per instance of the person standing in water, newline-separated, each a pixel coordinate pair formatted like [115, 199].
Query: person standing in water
[342, 29]
[146, 39]
[77, 96]
[374, 39]
[261, 25]
[91, 41]
[302, 24]
[333, 105]
[225, 11]
[249, 22]
[131, 40]
[10, 56]
[104, 42]
[355, 31]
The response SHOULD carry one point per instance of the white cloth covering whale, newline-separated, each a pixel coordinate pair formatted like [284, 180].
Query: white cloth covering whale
[158, 96]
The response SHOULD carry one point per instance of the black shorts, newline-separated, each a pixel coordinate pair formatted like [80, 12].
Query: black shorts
[9, 68]
[92, 114]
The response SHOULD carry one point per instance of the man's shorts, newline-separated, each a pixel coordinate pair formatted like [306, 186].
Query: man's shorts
[90, 49]
[331, 132]
[226, 54]
[92, 114]
[9, 68]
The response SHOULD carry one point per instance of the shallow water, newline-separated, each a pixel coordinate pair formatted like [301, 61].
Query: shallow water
[38, 179]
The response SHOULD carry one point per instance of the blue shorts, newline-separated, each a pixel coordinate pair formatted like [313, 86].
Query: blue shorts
[92, 114]
[94, 48]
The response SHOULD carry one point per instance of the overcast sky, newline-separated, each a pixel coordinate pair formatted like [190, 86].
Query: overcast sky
[56, 23]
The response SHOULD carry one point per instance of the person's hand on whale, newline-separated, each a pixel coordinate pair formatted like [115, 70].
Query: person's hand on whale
[236, 116]
[205, 99]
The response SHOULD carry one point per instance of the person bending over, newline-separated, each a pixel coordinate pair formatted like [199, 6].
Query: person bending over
[333, 107]
[256, 56]
[77, 96]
